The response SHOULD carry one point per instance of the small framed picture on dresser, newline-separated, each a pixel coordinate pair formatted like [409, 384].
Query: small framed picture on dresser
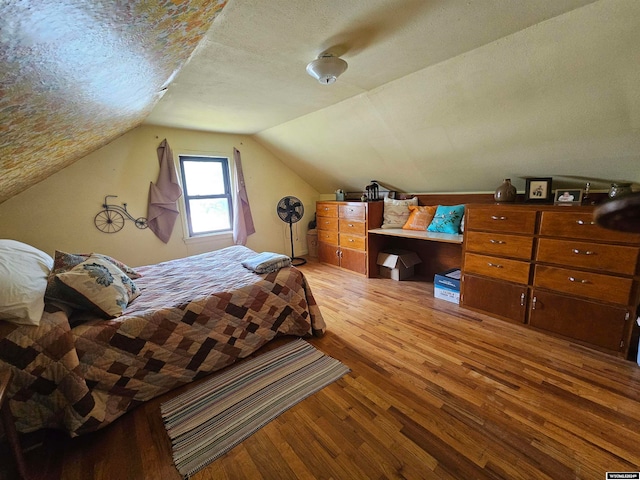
[538, 190]
[567, 197]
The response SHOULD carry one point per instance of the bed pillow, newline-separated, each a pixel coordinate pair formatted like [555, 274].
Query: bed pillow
[130, 272]
[419, 217]
[447, 219]
[396, 212]
[100, 285]
[23, 280]
[63, 262]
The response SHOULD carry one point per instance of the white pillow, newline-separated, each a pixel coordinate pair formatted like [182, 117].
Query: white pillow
[23, 280]
[107, 289]
[396, 212]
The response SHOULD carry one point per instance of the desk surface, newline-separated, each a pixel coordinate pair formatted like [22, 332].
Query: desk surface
[418, 234]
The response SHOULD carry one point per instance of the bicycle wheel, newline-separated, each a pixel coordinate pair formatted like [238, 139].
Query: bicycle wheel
[141, 223]
[109, 221]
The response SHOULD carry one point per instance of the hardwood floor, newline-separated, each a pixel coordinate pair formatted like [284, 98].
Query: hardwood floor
[435, 391]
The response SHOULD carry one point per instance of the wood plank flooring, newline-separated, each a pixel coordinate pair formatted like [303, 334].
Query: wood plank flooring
[436, 391]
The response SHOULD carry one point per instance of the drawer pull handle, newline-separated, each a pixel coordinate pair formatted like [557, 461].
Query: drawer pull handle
[573, 279]
[583, 252]
[522, 297]
[582, 222]
[497, 242]
[494, 217]
[534, 303]
[494, 265]
[351, 224]
[351, 239]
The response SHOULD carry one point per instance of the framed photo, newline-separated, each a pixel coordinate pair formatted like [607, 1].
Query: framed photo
[567, 197]
[538, 190]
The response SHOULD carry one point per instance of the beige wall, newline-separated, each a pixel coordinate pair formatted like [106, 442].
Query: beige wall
[58, 213]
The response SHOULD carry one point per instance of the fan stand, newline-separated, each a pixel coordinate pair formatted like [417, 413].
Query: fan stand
[295, 261]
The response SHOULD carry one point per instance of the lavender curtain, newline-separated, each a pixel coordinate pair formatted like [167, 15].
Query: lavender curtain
[163, 196]
[242, 219]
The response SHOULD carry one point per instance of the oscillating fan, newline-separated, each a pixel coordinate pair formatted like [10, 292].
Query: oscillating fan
[290, 210]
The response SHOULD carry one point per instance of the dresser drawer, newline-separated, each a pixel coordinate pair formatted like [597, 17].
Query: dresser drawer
[327, 223]
[504, 269]
[580, 225]
[595, 256]
[353, 212]
[327, 209]
[500, 244]
[352, 241]
[501, 220]
[352, 227]
[326, 236]
[607, 288]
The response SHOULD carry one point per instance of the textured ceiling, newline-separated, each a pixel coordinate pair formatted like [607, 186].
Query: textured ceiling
[440, 95]
[249, 72]
[559, 99]
[76, 74]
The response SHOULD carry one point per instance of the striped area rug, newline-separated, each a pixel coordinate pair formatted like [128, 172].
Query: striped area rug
[215, 416]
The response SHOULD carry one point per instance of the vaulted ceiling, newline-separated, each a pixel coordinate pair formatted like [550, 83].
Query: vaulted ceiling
[75, 75]
[440, 95]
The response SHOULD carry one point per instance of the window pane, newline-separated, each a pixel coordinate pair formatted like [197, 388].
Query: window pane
[204, 178]
[209, 215]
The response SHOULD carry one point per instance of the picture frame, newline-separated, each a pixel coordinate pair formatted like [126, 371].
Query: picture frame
[568, 196]
[538, 190]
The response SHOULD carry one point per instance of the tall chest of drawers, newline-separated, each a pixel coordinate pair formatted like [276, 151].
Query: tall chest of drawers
[498, 250]
[342, 233]
[554, 270]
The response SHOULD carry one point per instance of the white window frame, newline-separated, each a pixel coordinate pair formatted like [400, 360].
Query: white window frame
[228, 194]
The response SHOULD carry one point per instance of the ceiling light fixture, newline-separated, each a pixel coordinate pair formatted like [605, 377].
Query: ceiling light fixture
[326, 68]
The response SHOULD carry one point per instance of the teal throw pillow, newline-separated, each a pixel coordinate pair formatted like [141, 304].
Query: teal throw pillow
[447, 219]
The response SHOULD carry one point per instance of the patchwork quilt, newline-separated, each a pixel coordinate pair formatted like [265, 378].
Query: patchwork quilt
[194, 316]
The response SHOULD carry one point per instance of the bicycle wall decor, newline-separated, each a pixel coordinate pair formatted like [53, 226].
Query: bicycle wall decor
[111, 219]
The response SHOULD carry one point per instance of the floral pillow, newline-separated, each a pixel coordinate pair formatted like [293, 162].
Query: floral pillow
[99, 285]
[396, 212]
[447, 219]
[419, 218]
[63, 262]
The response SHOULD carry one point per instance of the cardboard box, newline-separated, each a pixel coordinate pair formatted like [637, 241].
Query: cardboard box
[446, 285]
[397, 264]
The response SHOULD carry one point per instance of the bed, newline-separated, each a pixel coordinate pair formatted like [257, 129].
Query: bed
[78, 371]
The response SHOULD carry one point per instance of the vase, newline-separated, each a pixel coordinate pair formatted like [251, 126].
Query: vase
[619, 190]
[505, 192]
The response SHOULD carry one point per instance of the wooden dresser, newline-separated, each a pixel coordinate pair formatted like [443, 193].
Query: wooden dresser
[498, 251]
[342, 233]
[553, 269]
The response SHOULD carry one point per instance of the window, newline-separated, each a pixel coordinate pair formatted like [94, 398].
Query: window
[207, 194]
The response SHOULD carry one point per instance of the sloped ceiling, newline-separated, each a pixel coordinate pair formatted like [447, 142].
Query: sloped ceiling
[75, 75]
[440, 95]
[559, 99]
